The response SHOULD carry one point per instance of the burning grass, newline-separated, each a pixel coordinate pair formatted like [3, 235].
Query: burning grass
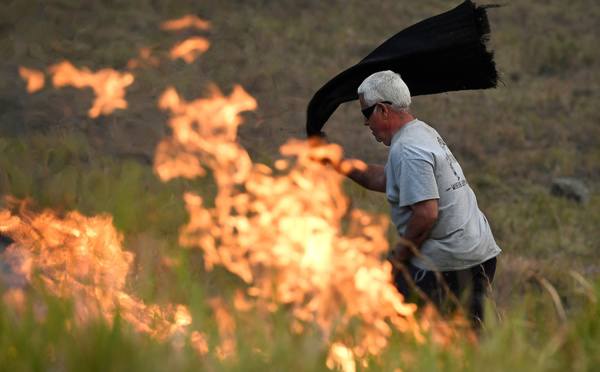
[280, 233]
[256, 267]
[108, 85]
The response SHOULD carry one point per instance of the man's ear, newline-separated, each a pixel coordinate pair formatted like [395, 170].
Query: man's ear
[384, 110]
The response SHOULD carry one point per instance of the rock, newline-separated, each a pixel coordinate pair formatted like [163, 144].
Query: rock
[570, 188]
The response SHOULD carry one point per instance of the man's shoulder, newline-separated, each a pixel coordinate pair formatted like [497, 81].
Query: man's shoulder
[411, 150]
[415, 135]
[415, 130]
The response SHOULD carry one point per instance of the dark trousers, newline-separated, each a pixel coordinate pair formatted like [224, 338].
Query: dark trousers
[447, 290]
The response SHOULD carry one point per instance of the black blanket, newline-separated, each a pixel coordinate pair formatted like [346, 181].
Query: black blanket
[443, 53]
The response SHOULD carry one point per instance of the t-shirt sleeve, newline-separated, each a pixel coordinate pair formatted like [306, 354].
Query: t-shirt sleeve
[416, 180]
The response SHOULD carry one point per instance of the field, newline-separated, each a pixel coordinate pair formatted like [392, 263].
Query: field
[151, 295]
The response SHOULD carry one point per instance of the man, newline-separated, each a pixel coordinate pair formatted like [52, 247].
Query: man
[447, 249]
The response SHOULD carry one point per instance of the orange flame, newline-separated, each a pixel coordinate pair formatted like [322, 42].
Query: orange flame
[190, 49]
[204, 144]
[283, 233]
[288, 232]
[341, 356]
[81, 258]
[226, 328]
[35, 79]
[108, 85]
[185, 22]
[198, 342]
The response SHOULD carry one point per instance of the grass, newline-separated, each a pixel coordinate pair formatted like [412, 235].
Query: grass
[529, 338]
[540, 124]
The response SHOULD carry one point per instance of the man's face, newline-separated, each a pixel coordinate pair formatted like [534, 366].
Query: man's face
[375, 122]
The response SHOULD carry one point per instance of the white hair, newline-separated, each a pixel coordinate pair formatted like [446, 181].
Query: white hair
[385, 86]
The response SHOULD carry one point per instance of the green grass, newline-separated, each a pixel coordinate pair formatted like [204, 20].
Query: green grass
[530, 337]
[63, 173]
[540, 124]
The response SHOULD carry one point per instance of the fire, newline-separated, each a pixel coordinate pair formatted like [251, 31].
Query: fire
[342, 356]
[289, 231]
[35, 79]
[212, 145]
[108, 85]
[193, 47]
[198, 342]
[226, 325]
[190, 49]
[281, 230]
[81, 258]
[185, 22]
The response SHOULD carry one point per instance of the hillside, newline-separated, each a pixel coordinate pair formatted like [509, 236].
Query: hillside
[539, 124]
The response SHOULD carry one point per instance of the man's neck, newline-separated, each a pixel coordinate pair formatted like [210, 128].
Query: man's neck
[401, 121]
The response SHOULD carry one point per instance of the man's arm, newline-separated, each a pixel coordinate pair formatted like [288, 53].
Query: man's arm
[424, 215]
[372, 177]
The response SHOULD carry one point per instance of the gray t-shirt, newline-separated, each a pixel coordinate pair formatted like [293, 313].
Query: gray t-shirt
[421, 167]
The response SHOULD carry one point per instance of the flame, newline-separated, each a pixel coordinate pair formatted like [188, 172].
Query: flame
[289, 231]
[341, 356]
[211, 145]
[226, 325]
[193, 47]
[35, 79]
[190, 49]
[81, 258]
[281, 232]
[108, 85]
[185, 22]
[198, 342]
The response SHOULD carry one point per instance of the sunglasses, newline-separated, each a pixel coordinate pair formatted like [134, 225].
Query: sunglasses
[369, 110]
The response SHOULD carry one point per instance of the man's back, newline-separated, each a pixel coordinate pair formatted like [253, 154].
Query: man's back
[421, 167]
